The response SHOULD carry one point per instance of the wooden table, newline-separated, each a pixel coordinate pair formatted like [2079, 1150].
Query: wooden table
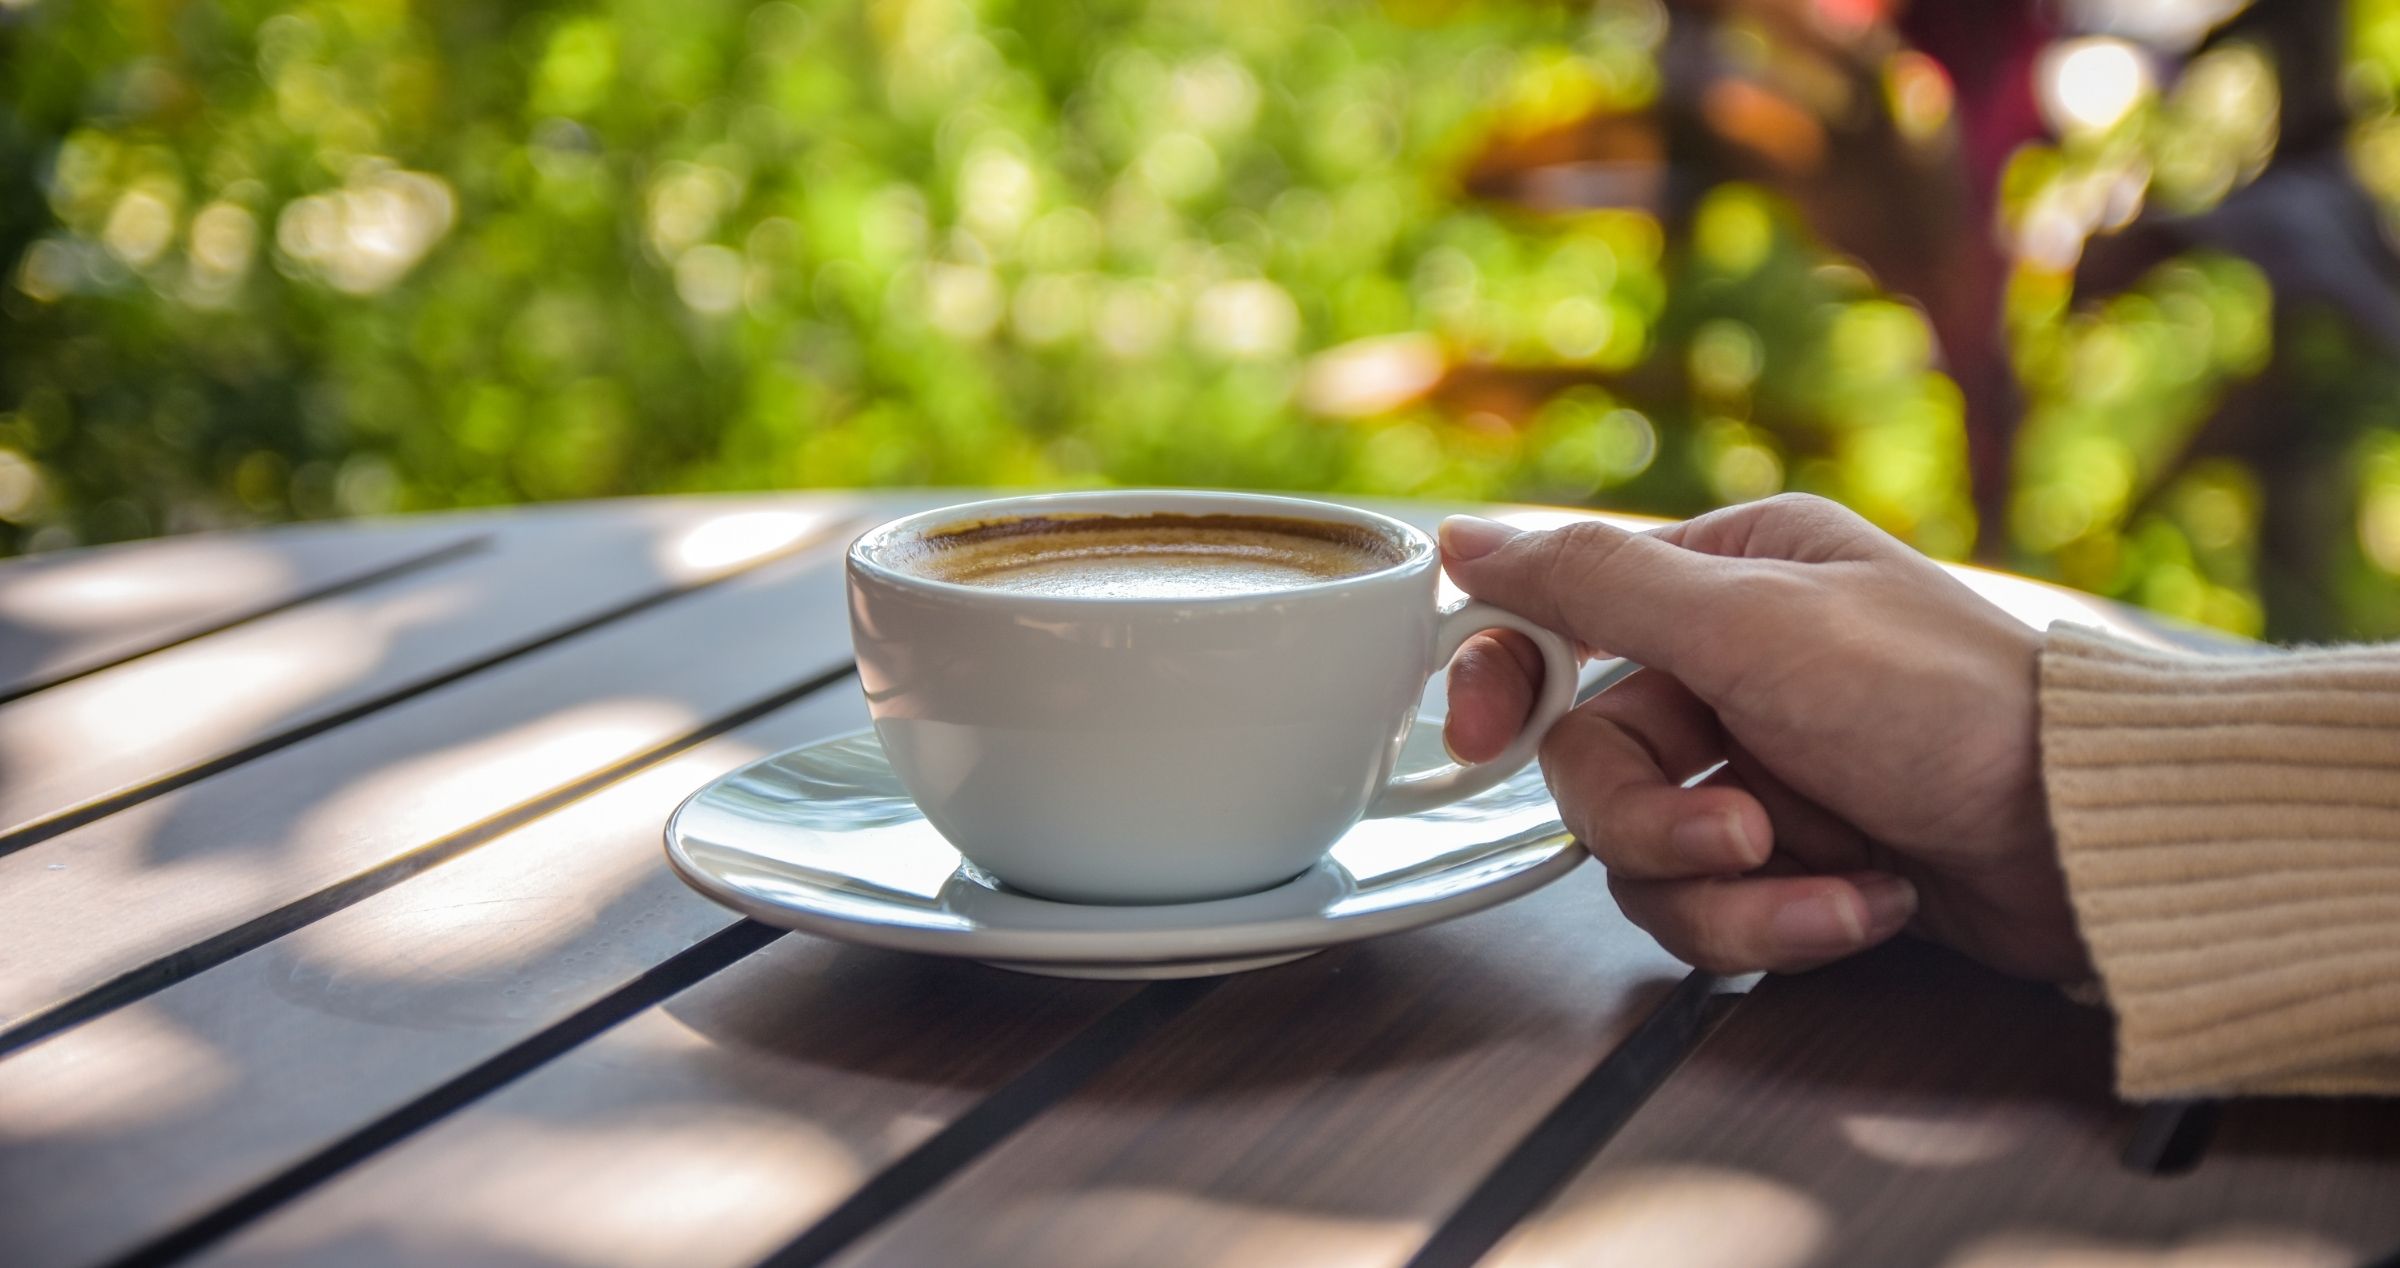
[334, 929]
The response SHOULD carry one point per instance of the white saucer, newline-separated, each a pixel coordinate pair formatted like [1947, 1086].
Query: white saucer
[824, 839]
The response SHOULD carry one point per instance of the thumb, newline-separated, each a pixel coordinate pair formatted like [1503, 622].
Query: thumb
[1628, 593]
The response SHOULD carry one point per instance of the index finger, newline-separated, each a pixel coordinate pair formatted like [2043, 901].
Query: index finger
[1635, 594]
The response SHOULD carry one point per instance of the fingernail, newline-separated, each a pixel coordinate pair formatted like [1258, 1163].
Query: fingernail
[1473, 537]
[1890, 902]
[1835, 924]
[1717, 840]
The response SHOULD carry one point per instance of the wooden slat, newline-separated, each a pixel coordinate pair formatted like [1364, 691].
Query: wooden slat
[66, 614]
[120, 1130]
[82, 910]
[1332, 1111]
[1346, 1101]
[1909, 1107]
[72, 752]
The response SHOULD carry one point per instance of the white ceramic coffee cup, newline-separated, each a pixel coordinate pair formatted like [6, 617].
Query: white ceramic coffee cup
[1143, 750]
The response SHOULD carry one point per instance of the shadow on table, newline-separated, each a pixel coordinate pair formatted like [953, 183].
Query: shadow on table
[1928, 1110]
[1912, 1022]
[1370, 1009]
[887, 1014]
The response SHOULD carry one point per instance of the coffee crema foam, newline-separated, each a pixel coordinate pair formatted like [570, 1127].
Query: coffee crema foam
[1147, 556]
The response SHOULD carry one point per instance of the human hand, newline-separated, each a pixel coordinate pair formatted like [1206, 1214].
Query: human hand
[1876, 719]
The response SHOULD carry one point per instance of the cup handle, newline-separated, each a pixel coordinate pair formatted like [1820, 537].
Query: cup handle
[1449, 783]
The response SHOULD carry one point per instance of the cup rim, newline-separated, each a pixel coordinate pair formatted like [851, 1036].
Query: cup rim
[1421, 552]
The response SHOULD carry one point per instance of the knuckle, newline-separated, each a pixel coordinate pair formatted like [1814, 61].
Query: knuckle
[1633, 899]
[1558, 757]
[1810, 511]
[1787, 597]
[1798, 504]
[1610, 847]
[1648, 906]
[1578, 556]
[1812, 527]
[1571, 746]
[1759, 596]
[1711, 950]
[1588, 758]
[1577, 813]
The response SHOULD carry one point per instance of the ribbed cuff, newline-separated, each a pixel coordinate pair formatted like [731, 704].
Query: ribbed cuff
[2230, 830]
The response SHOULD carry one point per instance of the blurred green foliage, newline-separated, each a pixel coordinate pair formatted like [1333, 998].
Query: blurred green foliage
[340, 256]
[270, 259]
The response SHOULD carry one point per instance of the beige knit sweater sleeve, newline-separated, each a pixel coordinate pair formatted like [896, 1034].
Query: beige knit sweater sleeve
[2230, 829]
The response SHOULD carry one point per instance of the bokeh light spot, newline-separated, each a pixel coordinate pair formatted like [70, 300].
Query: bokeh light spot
[1372, 376]
[2091, 84]
[1726, 357]
[1918, 93]
[1734, 232]
[1250, 319]
[708, 279]
[139, 227]
[1577, 327]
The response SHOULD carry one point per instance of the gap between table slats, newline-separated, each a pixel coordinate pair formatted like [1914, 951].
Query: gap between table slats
[2170, 1137]
[1578, 1125]
[63, 613]
[112, 740]
[83, 667]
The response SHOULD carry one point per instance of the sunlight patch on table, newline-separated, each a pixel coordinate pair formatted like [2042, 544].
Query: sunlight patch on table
[1092, 1227]
[2225, 1248]
[152, 1071]
[1692, 1217]
[444, 927]
[683, 1183]
[187, 580]
[196, 694]
[496, 771]
[143, 718]
[726, 542]
[1931, 1140]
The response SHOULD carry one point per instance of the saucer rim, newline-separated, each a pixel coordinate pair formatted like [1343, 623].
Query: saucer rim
[1151, 946]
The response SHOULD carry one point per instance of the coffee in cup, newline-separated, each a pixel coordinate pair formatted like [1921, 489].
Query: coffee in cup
[1145, 556]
